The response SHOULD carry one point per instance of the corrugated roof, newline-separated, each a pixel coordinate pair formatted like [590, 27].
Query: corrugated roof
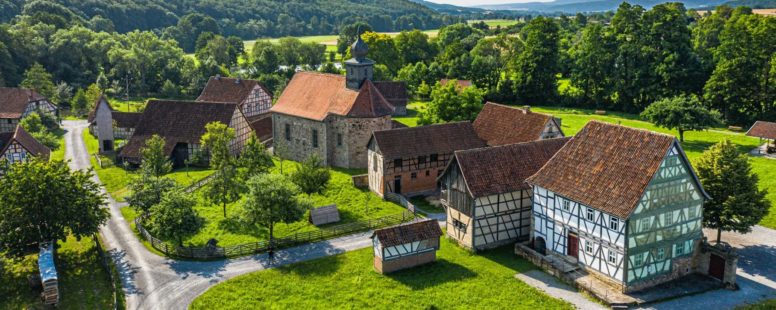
[762, 129]
[315, 95]
[223, 89]
[14, 100]
[409, 232]
[499, 124]
[503, 169]
[605, 166]
[423, 140]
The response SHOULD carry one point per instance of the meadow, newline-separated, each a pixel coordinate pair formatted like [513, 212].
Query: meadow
[458, 279]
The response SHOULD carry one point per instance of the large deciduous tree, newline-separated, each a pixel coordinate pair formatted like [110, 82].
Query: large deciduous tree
[736, 203]
[148, 192]
[224, 188]
[683, 113]
[255, 158]
[272, 199]
[174, 217]
[450, 103]
[155, 162]
[45, 201]
[538, 63]
[37, 78]
[593, 66]
[311, 176]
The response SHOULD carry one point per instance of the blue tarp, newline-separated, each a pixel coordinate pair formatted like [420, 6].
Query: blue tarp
[48, 271]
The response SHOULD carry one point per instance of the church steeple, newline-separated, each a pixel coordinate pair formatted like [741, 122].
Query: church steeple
[359, 68]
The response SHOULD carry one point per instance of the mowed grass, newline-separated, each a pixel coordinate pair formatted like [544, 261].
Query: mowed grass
[351, 203]
[59, 153]
[413, 109]
[328, 40]
[493, 23]
[83, 283]
[136, 104]
[768, 304]
[457, 280]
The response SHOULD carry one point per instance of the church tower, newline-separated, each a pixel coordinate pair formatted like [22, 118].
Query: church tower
[359, 68]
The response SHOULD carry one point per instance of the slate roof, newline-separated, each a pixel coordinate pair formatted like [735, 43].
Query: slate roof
[762, 129]
[222, 89]
[394, 92]
[13, 101]
[461, 83]
[423, 140]
[314, 95]
[499, 124]
[408, 232]
[503, 169]
[606, 166]
[176, 122]
[26, 141]
[261, 125]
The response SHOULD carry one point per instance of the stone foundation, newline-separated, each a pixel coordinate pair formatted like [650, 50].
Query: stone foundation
[724, 251]
[384, 267]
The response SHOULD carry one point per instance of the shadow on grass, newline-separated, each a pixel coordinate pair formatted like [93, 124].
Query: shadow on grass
[506, 257]
[234, 225]
[321, 267]
[696, 146]
[433, 274]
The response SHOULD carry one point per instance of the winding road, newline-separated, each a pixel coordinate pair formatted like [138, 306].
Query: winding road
[154, 282]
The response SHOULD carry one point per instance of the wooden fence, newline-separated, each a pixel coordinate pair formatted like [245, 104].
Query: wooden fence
[403, 201]
[214, 252]
[199, 184]
[113, 274]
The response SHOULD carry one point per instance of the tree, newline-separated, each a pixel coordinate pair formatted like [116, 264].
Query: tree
[451, 103]
[266, 60]
[736, 203]
[155, 162]
[80, 104]
[37, 78]
[413, 47]
[683, 113]
[148, 192]
[38, 129]
[174, 216]
[538, 63]
[271, 199]
[280, 149]
[593, 60]
[55, 203]
[93, 93]
[255, 158]
[224, 188]
[311, 176]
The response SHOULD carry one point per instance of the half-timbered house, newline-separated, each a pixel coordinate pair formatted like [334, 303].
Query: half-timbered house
[330, 115]
[395, 92]
[16, 103]
[485, 195]
[500, 124]
[182, 124]
[408, 161]
[253, 99]
[622, 202]
[405, 245]
[19, 146]
[107, 124]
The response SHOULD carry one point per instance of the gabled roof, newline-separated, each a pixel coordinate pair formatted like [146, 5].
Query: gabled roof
[503, 169]
[176, 122]
[261, 125]
[424, 140]
[314, 95]
[461, 83]
[499, 124]
[607, 167]
[13, 101]
[407, 233]
[126, 119]
[762, 129]
[26, 141]
[222, 89]
[394, 92]
[93, 112]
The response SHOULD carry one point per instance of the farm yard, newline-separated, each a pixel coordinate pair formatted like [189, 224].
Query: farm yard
[458, 279]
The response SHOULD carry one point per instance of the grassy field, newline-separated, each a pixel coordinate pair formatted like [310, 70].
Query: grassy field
[131, 105]
[83, 283]
[350, 201]
[413, 108]
[457, 280]
[764, 305]
[59, 153]
[328, 40]
[493, 23]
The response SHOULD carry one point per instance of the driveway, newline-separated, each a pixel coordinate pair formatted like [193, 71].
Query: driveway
[154, 282]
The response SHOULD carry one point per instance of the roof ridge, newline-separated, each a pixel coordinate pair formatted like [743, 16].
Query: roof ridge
[629, 128]
[504, 146]
[424, 126]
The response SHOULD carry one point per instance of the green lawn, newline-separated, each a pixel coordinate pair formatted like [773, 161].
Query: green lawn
[493, 23]
[135, 104]
[350, 201]
[83, 283]
[413, 108]
[59, 153]
[764, 305]
[457, 280]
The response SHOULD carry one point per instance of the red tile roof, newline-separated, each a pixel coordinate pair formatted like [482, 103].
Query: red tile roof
[503, 169]
[315, 95]
[606, 167]
[499, 124]
[26, 141]
[394, 92]
[262, 126]
[762, 129]
[461, 83]
[13, 101]
[223, 89]
[424, 140]
[408, 233]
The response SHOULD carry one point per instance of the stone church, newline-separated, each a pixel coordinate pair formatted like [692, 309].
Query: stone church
[330, 115]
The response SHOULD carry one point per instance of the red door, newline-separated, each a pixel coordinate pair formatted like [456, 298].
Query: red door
[717, 267]
[573, 246]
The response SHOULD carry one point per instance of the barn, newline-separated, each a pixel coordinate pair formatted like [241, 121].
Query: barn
[406, 245]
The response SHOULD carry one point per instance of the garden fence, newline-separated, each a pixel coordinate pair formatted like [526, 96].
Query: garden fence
[199, 184]
[403, 201]
[214, 252]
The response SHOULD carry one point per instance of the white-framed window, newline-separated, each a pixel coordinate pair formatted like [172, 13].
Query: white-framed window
[638, 260]
[645, 224]
[679, 249]
[612, 257]
[668, 218]
[691, 212]
[588, 247]
[614, 223]
[590, 215]
[661, 253]
[566, 204]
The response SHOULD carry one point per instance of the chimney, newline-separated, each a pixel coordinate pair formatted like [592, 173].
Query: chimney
[237, 80]
[218, 77]
[526, 109]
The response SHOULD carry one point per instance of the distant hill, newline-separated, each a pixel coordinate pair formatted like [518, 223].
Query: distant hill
[574, 6]
[755, 4]
[472, 12]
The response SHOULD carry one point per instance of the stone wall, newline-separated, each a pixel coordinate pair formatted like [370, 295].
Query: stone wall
[681, 267]
[726, 252]
[404, 262]
[300, 146]
[355, 133]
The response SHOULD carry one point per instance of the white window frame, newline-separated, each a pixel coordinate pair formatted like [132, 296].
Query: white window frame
[590, 216]
[668, 218]
[645, 223]
[566, 204]
[614, 223]
[638, 260]
[589, 247]
[612, 256]
[679, 249]
[661, 253]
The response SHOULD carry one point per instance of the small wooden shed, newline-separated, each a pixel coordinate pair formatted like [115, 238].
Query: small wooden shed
[48, 274]
[406, 245]
[324, 215]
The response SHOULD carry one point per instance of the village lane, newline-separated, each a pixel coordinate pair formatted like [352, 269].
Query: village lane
[154, 282]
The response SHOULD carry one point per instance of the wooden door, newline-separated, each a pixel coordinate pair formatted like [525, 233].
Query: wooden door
[573, 246]
[717, 267]
[397, 185]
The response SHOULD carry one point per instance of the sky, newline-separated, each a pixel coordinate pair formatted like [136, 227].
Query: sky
[481, 2]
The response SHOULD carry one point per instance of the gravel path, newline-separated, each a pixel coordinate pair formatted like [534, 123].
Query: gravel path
[154, 282]
[555, 288]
